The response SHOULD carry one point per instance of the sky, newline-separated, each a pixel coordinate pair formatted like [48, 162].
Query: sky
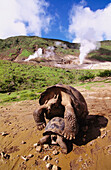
[69, 20]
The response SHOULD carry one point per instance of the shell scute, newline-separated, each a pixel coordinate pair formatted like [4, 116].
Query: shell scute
[55, 125]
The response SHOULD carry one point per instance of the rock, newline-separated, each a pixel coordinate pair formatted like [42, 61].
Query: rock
[35, 144]
[108, 148]
[91, 143]
[24, 158]
[47, 158]
[4, 155]
[30, 156]
[55, 152]
[55, 167]
[4, 134]
[23, 142]
[48, 165]
[104, 135]
[57, 161]
[38, 148]
[80, 159]
[46, 146]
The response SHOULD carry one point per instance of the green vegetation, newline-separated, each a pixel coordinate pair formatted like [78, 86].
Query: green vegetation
[10, 47]
[105, 73]
[25, 53]
[103, 53]
[22, 81]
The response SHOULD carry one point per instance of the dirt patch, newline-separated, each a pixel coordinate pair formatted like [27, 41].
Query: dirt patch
[71, 62]
[90, 150]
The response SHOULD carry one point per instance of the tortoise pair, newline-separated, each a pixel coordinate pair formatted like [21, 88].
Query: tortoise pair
[66, 109]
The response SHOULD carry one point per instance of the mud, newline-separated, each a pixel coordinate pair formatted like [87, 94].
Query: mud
[90, 150]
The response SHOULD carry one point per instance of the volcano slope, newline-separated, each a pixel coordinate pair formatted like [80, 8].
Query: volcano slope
[90, 150]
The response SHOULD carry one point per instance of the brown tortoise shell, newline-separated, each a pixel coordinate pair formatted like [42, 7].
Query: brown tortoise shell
[55, 125]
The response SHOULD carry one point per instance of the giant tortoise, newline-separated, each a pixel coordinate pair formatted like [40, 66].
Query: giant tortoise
[62, 101]
[53, 133]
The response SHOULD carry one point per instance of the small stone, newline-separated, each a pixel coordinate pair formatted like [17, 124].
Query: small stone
[46, 158]
[38, 148]
[2, 154]
[104, 135]
[80, 159]
[91, 143]
[30, 156]
[46, 146]
[24, 158]
[55, 167]
[35, 144]
[55, 152]
[48, 165]
[23, 142]
[4, 134]
[6, 156]
[57, 161]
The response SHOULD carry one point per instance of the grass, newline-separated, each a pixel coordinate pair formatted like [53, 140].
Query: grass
[103, 53]
[19, 96]
[22, 81]
[10, 46]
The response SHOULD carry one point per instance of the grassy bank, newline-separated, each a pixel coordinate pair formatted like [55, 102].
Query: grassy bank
[22, 81]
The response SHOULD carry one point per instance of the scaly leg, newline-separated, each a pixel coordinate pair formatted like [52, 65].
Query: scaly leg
[71, 125]
[62, 144]
[45, 139]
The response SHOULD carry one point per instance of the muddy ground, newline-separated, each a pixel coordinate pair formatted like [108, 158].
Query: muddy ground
[90, 150]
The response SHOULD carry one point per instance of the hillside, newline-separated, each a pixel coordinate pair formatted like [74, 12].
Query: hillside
[23, 46]
[55, 53]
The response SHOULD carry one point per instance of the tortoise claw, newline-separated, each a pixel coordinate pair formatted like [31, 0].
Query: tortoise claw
[71, 137]
[65, 135]
[68, 136]
[40, 127]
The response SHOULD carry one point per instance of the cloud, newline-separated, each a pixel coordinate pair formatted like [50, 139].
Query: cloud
[90, 25]
[23, 17]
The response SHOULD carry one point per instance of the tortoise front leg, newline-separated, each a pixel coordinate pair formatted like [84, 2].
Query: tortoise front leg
[39, 117]
[71, 126]
[62, 144]
[45, 108]
[45, 139]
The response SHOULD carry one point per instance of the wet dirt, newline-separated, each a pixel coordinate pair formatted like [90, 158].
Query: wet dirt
[90, 150]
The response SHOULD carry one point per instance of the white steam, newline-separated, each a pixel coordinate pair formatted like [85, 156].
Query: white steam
[86, 47]
[47, 53]
[37, 54]
[87, 27]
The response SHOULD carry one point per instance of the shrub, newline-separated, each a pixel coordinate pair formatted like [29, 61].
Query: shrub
[106, 73]
[86, 75]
